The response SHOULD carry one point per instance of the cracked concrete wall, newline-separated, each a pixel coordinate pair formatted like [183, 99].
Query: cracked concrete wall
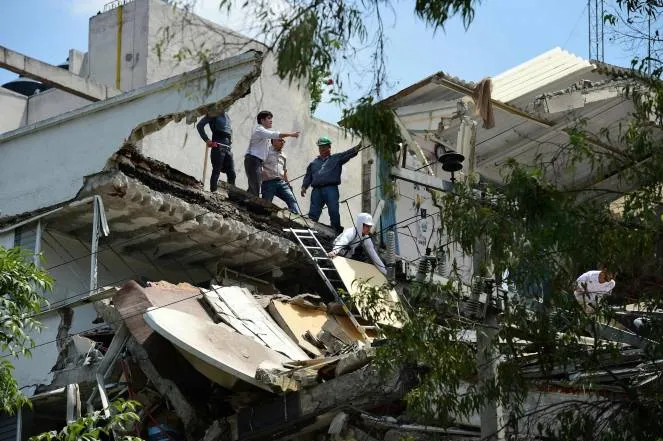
[179, 144]
[104, 127]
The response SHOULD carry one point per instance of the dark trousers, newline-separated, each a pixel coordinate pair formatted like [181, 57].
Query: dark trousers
[321, 196]
[279, 188]
[222, 162]
[253, 169]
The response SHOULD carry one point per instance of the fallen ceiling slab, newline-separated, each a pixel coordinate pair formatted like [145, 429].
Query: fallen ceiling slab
[218, 353]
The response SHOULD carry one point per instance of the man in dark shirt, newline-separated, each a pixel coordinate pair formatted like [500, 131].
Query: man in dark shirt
[221, 154]
[324, 175]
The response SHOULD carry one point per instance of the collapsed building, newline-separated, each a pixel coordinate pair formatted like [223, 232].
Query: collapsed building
[209, 308]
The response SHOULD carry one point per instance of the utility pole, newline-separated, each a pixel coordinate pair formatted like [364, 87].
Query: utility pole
[595, 13]
[492, 415]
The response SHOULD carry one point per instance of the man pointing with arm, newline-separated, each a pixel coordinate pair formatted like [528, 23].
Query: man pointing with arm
[324, 175]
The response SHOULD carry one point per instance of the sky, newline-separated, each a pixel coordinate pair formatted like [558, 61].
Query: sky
[503, 34]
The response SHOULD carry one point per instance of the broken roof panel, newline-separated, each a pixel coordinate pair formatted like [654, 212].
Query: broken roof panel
[218, 353]
[540, 71]
[535, 103]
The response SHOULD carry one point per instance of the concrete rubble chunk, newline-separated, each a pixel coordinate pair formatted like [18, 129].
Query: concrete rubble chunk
[354, 361]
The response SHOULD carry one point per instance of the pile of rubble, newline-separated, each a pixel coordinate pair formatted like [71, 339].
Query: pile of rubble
[237, 364]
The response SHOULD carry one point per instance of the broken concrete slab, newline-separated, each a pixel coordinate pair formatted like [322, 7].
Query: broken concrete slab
[221, 355]
[237, 307]
[359, 389]
[126, 118]
[55, 76]
[297, 320]
[354, 361]
[133, 300]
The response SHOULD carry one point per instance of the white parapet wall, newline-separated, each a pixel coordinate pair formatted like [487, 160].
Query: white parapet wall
[45, 164]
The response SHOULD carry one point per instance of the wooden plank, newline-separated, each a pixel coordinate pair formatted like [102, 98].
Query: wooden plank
[296, 320]
[255, 318]
[347, 326]
[351, 270]
[334, 328]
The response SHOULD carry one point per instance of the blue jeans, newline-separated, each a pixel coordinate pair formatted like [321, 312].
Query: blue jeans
[321, 196]
[279, 188]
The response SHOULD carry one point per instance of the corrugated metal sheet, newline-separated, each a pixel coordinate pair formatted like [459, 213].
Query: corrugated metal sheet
[536, 73]
[523, 132]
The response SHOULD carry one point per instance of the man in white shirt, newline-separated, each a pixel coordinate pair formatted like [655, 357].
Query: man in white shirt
[275, 176]
[593, 285]
[258, 148]
[346, 244]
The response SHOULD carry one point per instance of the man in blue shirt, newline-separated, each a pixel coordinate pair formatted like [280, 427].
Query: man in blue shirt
[221, 155]
[324, 175]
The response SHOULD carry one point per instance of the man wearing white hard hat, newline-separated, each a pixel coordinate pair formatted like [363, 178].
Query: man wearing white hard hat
[347, 243]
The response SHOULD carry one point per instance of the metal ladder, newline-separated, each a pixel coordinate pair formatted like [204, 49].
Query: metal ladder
[323, 264]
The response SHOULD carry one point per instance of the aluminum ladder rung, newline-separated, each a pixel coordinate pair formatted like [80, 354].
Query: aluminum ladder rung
[299, 231]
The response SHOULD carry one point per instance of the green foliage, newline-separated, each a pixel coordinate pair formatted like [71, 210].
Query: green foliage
[375, 123]
[315, 87]
[436, 12]
[320, 38]
[529, 230]
[95, 426]
[22, 284]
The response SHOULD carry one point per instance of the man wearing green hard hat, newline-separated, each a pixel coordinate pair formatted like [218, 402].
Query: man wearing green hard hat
[324, 175]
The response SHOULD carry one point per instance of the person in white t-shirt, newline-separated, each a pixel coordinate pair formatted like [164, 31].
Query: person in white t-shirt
[593, 285]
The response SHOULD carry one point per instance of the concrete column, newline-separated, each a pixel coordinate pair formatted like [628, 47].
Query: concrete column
[492, 415]
[73, 403]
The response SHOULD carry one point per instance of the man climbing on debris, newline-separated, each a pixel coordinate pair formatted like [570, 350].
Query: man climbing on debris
[275, 176]
[221, 153]
[347, 243]
[258, 148]
[593, 285]
[324, 175]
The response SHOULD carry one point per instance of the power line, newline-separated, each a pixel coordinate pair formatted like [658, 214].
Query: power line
[122, 318]
[81, 295]
[149, 233]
